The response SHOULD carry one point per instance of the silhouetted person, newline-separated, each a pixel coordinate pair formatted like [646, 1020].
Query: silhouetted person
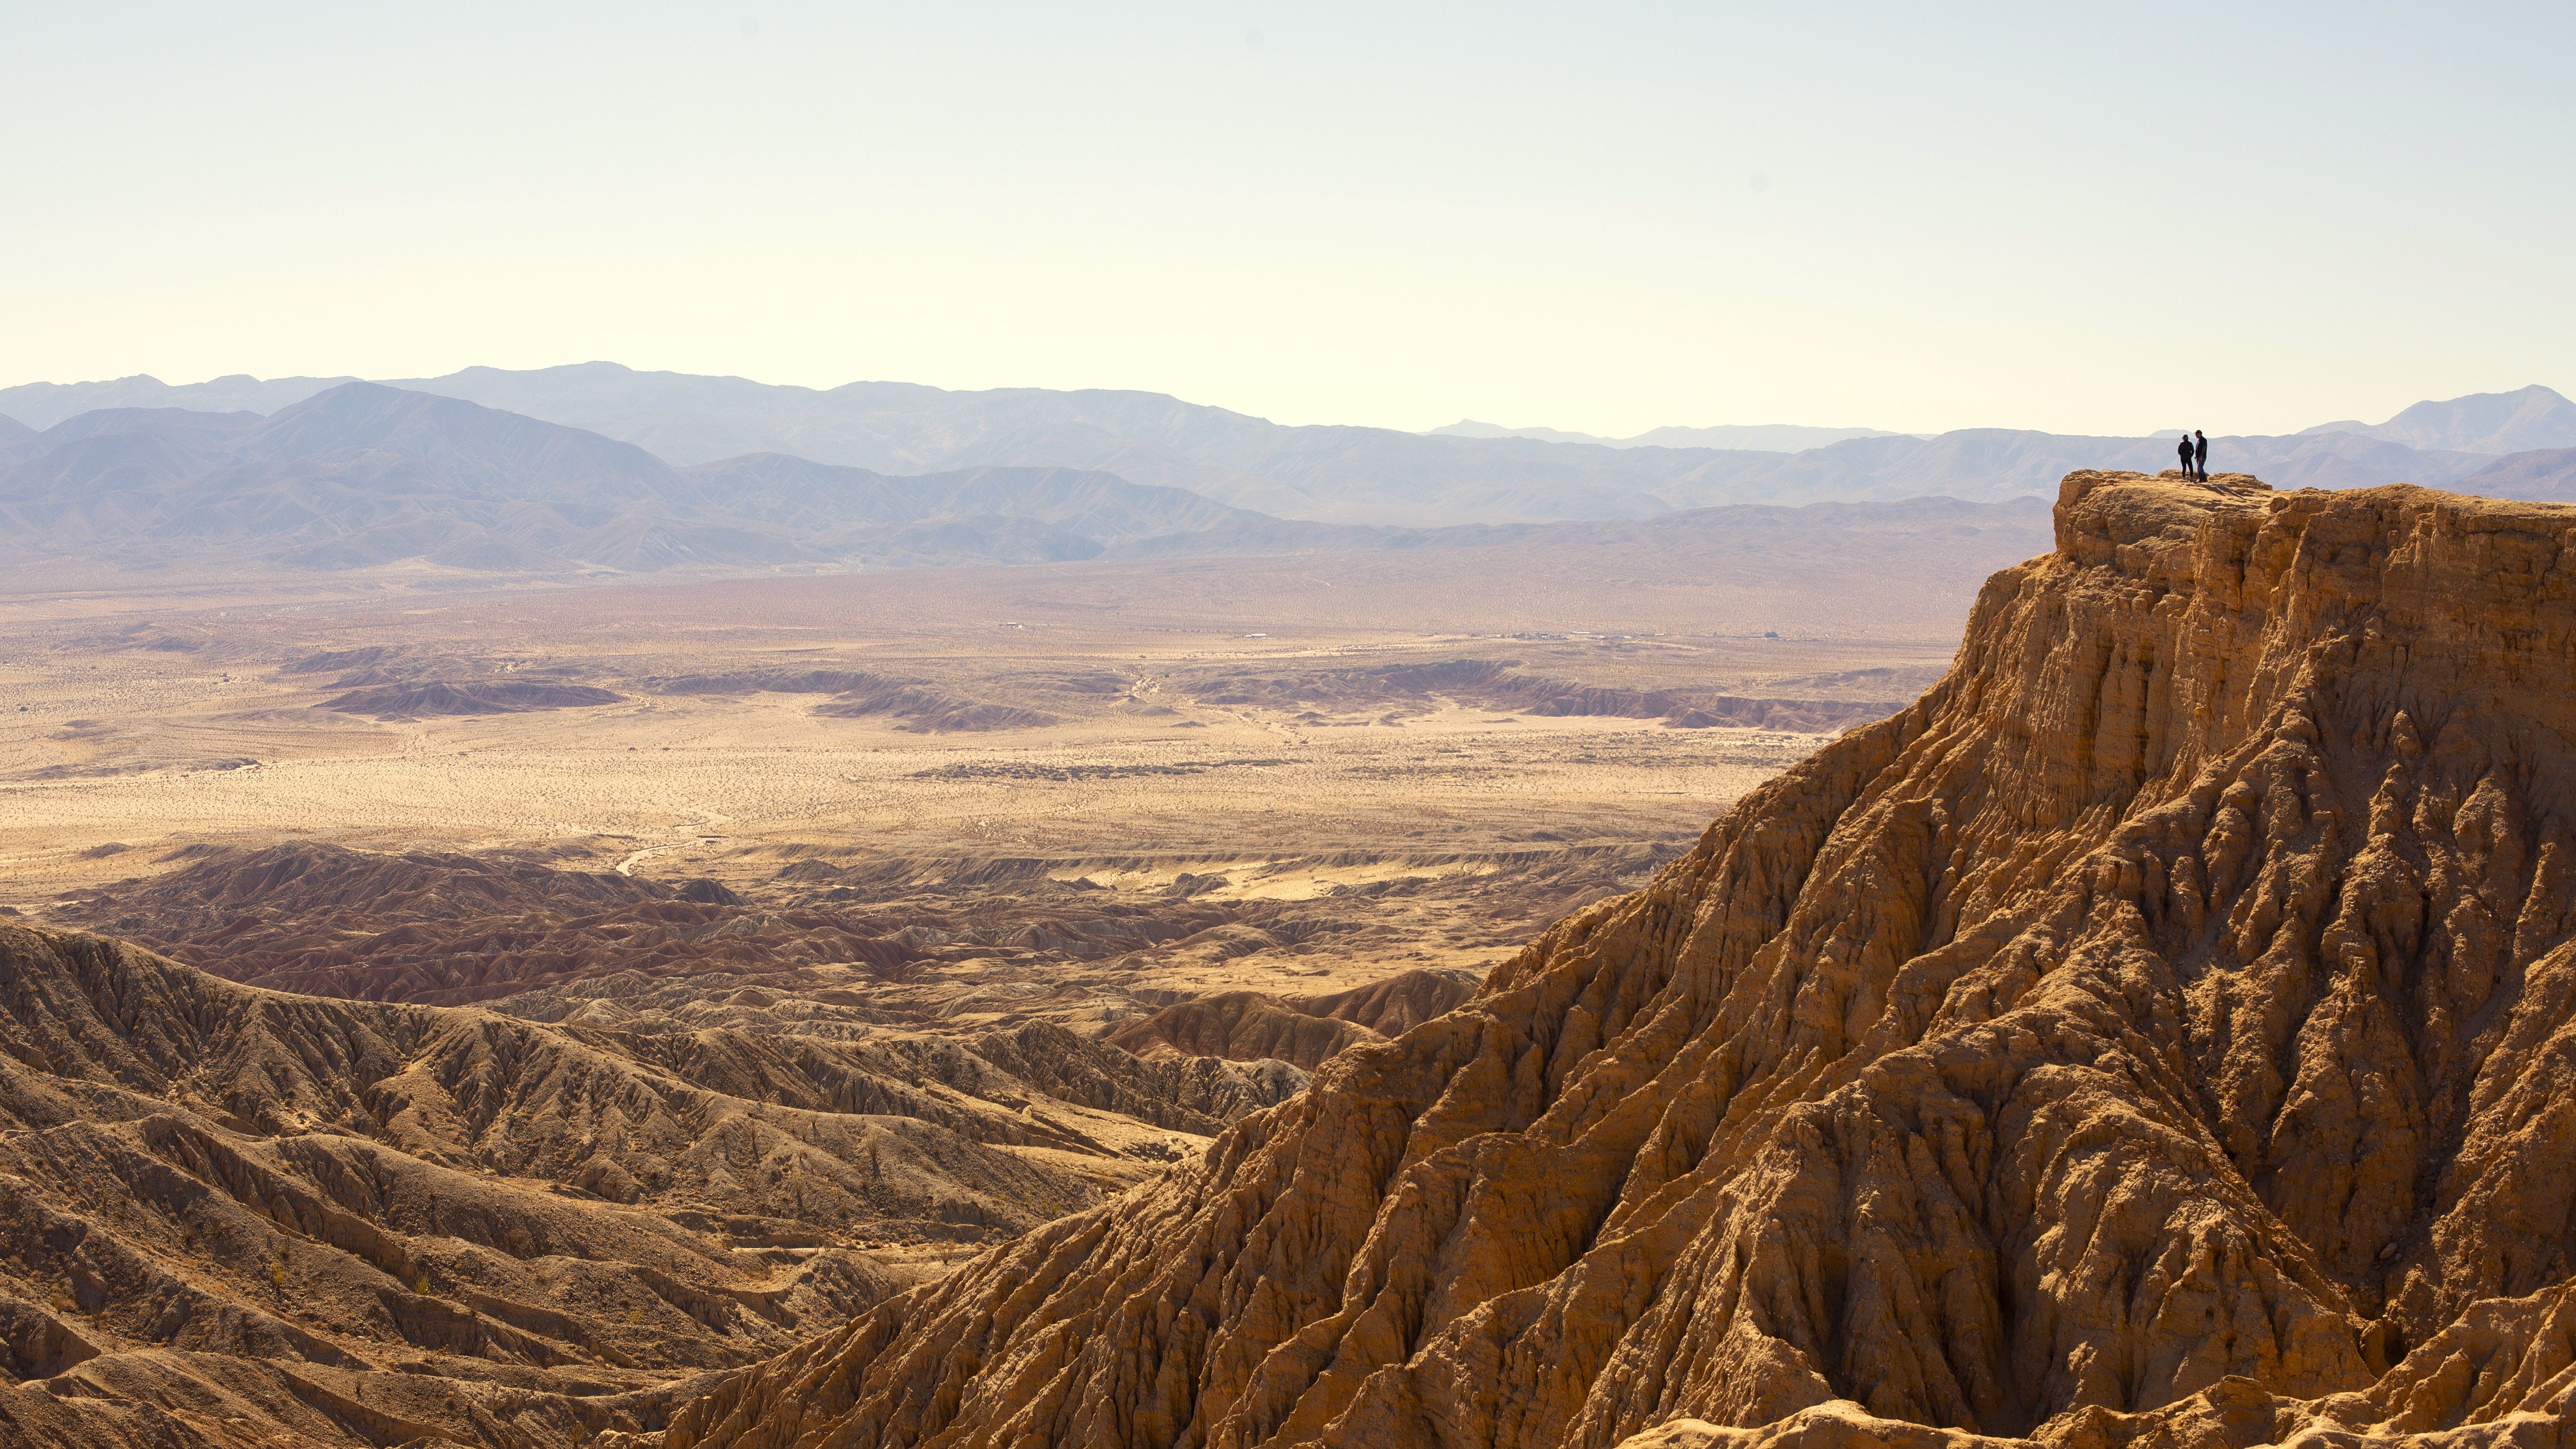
[2200, 453]
[2182, 450]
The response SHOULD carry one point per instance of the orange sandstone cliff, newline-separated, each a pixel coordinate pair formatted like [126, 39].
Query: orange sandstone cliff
[2163, 1032]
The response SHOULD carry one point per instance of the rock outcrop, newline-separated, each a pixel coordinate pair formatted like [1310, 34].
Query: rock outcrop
[1495, 684]
[1397, 1004]
[1253, 1026]
[2162, 1033]
[467, 697]
[1239, 1026]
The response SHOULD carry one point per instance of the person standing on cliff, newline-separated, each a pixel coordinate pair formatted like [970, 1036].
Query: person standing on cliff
[2182, 450]
[2200, 453]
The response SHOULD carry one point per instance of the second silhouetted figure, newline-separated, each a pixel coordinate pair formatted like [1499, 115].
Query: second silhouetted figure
[2200, 454]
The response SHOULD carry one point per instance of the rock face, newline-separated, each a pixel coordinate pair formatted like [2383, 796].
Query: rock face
[2164, 1032]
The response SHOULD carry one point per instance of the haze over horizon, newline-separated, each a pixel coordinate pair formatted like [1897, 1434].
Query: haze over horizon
[1774, 435]
[1653, 218]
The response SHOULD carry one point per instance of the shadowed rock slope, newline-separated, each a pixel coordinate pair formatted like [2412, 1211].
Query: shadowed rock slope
[2163, 1032]
[447, 929]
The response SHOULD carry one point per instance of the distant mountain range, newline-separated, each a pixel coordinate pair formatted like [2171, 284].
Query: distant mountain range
[2486, 422]
[42, 404]
[687, 444]
[363, 475]
[2543, 475]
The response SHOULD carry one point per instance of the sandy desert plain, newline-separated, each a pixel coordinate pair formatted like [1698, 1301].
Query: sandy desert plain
[1435, 771]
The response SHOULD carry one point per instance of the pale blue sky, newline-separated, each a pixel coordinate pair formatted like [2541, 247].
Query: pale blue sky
[2247, 218]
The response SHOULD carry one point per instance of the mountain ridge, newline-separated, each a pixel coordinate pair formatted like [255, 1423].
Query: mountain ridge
[364, 477]
[2542, 475]
[1350, 475]
[2520, 421]
[362, 474]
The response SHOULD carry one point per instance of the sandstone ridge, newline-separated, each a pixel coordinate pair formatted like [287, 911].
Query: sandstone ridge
[2161, 1033]
[1247, 1026]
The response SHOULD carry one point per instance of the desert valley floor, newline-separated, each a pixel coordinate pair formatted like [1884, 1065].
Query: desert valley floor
[889, 736]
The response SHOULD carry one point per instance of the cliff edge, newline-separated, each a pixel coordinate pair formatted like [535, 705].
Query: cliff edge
[2162, 1032]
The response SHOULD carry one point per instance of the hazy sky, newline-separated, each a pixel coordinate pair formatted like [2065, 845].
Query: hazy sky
[2082, 218]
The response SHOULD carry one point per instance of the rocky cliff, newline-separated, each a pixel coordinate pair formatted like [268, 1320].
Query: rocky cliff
[2163, 1032]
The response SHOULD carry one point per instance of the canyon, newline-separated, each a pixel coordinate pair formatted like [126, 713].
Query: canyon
[2157, 1033]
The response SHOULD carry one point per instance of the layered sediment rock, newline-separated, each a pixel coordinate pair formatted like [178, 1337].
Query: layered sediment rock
[237, 1216]
[2164, 1032]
